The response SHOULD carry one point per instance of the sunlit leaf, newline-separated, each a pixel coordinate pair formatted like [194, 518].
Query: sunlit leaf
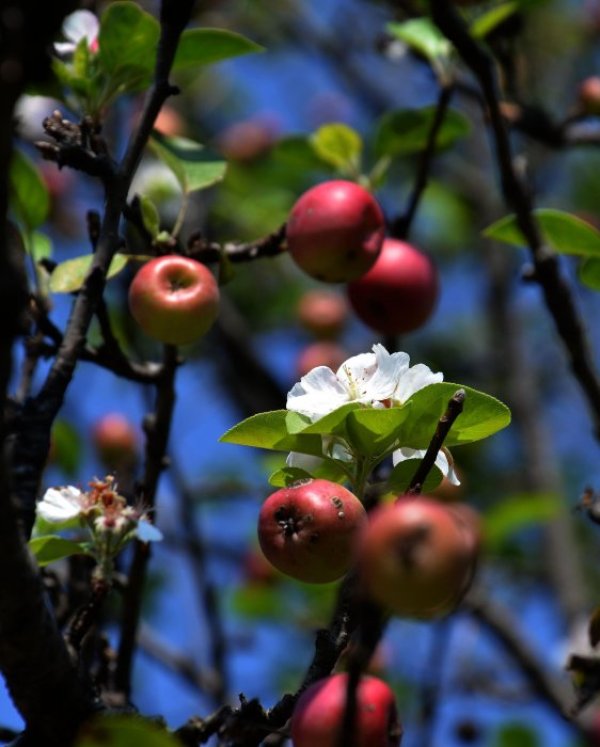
[192, 165]
[268, 430]
[373, 431]
[491, 19]
[29, 195]
[150, 216]
[39, 245]
[423, 37]
[206, 46]
[338, 145]
[406, 131]
[50, 548]
[563, 232]
[68, 276]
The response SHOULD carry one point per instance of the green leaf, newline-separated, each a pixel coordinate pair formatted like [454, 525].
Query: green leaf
[127, 42]
[150, 216]
[373, 431]
[29, 196]
[328, 469]
[65, 447]
[296, 152]
[423, 37]
[38, 245]
[516, 735]
[403, 472]
[259, 602]
[518, 512]
[563, 232]
[188, 160]
[68, 276]
[407, 130]
[338, 145]
[482, 416]
[269, 430]
[206, 46]
[334, 423]
[589, 273]
[124, 731]
[49, 548]
[490, 20]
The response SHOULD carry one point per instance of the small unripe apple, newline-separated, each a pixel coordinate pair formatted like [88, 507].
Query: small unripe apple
[319, 714]
[589, 95]
[416, 558]
[323, 313]
[115, 440]
[335, 230]
[399, 292]
[323, 353]
[174, 299]
[308, 530]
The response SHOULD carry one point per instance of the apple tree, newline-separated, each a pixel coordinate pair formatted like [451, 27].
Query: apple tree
[299, 404]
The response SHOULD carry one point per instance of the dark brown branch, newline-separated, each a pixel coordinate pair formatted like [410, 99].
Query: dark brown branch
[207, 251]
[199, 730]
[87, 616]
[454, 409]
[557, 294]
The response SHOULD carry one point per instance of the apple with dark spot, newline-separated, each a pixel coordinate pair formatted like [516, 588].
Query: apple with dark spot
[335, 231]
[309, 529]
[319, 714]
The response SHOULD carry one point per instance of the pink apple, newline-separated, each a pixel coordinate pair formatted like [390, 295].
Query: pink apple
[323, 313]
[115, 439]
[322, 353]
[174, 299]
[399, 292]
[308, 530]
[335, 230]
[319, 714]
[589, 95]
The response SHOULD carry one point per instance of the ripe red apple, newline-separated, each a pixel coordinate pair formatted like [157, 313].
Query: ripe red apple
[589, 95]
[415, 558]
[320, 354]
[174, 299]
[323, 313]
[115, 440]
[399, 292]
[308, 530]
[319, 714]
[335, 230]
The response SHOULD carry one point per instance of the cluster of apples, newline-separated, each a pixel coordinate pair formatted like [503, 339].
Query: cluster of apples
[414, 557]
[336, 234]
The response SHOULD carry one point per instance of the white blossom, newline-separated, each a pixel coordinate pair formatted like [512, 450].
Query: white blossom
[443, 461]
[82, 24]
[60, 505]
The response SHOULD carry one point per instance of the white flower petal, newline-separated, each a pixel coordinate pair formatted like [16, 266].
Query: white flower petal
[415, 379]
[355, 373]
[82, 24]
[60, 505]
[317, 394]
[64, 49]
[390, 370]
[443, 461]
[147, 532]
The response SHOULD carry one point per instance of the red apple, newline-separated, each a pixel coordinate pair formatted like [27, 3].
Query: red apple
[399, 292]
[335, 230]
[589, 95]
[246, 141]
[115, 440]
[174, 299]
[320, 354]
[323, 313]
[415, 558]
[308, 530]
[257, 570]
[319, 714]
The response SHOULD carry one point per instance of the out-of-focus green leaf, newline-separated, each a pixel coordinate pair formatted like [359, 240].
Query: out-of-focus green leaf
[563, 232]
[516, 735]
[259, 603]
[150, 216]
[339, 145]
[406, 131]
[206, 46]
[589, 273]
[296, 151]
[518, 512]
[423, 37]
[491, 19]
[50, 548]
[65, 447]
[124, 731]
[193, 167]
[127, 41]
[29, 196]
[39, 246]
[68, 276]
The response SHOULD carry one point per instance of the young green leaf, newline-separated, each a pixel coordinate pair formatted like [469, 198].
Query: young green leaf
[563, 232]
[68, 276]
[49, 548]
[127, 41]
[374, 431]
[38, 245]
[206, 46]
[29, 196]
[269, 430]
[423, 37]
[338, 145]
[589, 273]
[491, 19]
[188, 160]
[407, 131]
[150, 216]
